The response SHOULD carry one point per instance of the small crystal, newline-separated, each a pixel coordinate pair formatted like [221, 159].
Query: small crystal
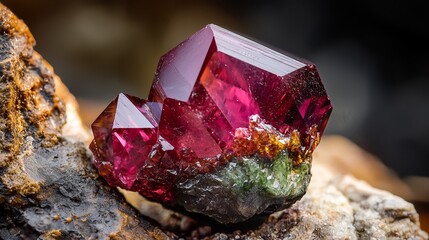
[124, 135]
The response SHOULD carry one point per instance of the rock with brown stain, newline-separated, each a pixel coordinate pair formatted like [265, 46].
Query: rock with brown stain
[48, 187]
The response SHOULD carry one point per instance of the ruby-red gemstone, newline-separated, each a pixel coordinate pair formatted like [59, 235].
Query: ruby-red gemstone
[204, 89]
[124, 135]
[224, 78]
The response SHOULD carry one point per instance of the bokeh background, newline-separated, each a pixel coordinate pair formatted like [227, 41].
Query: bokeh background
[372, 56]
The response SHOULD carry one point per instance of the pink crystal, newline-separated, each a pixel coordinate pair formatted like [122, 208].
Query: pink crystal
[124, 135]
[203, 91]
[225, 78]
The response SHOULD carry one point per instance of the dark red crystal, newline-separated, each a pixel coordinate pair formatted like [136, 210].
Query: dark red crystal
[204, 89]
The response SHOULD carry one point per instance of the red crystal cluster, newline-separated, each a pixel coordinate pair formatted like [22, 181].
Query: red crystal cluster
[204, 90]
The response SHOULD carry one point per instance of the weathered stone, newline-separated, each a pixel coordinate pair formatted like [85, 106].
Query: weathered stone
[48, 187]
[337, 207]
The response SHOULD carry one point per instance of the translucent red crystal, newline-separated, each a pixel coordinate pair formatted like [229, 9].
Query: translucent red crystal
[124, 135]
[227, 78]
[204, 89]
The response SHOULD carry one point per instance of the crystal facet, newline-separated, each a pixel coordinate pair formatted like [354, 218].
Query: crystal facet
[223, 112]
[124, 135]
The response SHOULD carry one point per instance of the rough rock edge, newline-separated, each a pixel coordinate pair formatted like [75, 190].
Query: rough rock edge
[336, 206]
[48, 187]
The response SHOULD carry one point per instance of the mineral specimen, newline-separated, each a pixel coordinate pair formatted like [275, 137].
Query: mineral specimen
[49, 190]
[228, 129]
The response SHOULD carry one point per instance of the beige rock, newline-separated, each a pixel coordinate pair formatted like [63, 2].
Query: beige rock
[344, 157]
[338, 206]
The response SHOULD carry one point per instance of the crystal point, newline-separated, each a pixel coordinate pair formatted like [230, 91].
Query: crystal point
[228, 128]
[124, 135]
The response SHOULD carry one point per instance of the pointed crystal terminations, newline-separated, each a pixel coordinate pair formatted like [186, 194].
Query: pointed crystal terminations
[228, 129]
[124, 135]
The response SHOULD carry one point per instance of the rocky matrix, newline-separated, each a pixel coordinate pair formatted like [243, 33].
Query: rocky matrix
[48, 186]
[228, 129]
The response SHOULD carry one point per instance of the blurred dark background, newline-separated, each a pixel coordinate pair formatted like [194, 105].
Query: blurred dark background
[372, 56]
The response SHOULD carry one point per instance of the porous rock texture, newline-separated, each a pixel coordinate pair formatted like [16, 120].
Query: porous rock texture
[342, 207]
[48, 187]
[336, 206]
[50, 190]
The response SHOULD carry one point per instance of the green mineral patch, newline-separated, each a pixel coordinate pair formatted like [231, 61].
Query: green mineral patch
[276, 178]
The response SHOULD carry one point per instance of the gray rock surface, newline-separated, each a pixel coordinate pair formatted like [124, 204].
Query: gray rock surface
[246, 187]
[48, 187]
[336, 206]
